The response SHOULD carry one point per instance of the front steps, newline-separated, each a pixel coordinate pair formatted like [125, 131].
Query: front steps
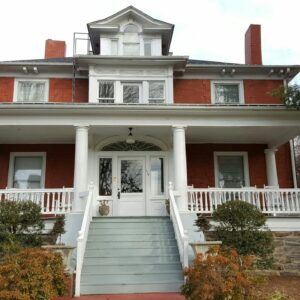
[131, 255]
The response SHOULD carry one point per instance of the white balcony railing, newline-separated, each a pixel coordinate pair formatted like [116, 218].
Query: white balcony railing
[275, 201]
[52, 201]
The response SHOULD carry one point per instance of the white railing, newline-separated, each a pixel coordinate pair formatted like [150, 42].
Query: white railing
[180, 233]
[82, 237]
[52, 201]
[275, 201]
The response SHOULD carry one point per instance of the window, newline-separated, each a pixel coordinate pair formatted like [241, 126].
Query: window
[106, 92]
[147, 48]
[31, 90]
[27, 171]
[105, 177]
[131, 92]
[231, 170]
[131, 41]
[156, 91]
[227, 93]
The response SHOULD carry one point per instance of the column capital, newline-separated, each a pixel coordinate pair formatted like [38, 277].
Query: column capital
[179, 127]
[271, 150]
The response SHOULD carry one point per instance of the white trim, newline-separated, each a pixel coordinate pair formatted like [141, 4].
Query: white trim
[19, 79]
[293, 163]
[28, 154]
[120, 138]
[244, 154]
[240, 84]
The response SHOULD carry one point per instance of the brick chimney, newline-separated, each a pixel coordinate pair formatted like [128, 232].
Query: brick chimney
[55, 49]
[253, 45]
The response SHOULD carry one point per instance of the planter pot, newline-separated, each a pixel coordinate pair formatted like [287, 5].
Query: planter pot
[203, 247]
[65, 252]
[104, 208]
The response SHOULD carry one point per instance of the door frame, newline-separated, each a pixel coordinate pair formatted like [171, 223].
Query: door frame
[152, 202]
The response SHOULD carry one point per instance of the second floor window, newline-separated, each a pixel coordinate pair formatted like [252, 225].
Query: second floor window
[227, 93]
[31, 91]
[156, 91]
[106, 91]
[131, 92]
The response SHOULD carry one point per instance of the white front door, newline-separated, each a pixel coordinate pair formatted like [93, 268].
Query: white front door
[131, 187]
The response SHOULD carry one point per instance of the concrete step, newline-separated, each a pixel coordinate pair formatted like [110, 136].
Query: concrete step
[127, 260]
[131, 244]
[131, 219]
[132, 269]
[131, 288]
[131, 237]
[122, 231]
[131, 252]
[122, 279]
[122, 225]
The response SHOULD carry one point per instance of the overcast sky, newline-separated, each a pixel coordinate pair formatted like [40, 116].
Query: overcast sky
[204, 29]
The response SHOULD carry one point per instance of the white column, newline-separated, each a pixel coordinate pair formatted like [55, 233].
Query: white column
[81, 165]
[180, 168]
[271, 167]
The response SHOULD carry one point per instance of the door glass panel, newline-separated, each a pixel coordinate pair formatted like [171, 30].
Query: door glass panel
[105, 177]
[157, 176]
[131, 176]
[131, 93]
[231, 171]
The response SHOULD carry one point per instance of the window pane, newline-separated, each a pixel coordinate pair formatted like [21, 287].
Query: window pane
[27, 172]
[147, 48]
[231, 171]
[227, 93]
[131, 176]
[156, 90]
[131, 93]
[106, 90]
[105, 177]
[114, 47]
[30, 91]
[157, 176]
[131, 49]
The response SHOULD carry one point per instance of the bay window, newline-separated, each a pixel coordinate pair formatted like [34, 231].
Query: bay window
[106, 91]
[156, 91]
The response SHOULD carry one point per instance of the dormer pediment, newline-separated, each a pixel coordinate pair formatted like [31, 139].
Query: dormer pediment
[116, 24]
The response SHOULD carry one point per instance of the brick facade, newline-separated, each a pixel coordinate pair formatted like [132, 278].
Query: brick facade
[6, 89]
[59, 163]
[200, 163]
[60, 90]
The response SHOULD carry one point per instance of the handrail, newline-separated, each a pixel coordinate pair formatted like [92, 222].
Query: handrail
[276, 201]
[51, 201]
[82, 238]
[180, 233]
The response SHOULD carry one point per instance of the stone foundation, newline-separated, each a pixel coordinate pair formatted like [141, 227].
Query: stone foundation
[287, 252]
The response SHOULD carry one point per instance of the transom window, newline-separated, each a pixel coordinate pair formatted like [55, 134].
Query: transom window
[227, 93]
[231, 170]
[106, 91]
[27, 171]
[156, 91]
[31, 90]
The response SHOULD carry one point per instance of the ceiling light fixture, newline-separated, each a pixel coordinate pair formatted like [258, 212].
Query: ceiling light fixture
[130, 139]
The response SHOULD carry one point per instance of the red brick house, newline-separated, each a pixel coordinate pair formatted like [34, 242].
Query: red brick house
[125, 117]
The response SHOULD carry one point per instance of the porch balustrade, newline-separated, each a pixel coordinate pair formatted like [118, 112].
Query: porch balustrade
[273, 201]
[52, 201]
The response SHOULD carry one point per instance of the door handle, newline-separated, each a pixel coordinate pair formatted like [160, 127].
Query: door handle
[119, 194]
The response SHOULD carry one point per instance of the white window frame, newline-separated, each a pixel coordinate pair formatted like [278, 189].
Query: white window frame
[232, 153]
[11, 169]
[16, 84]
[157, 100]
[139, 84]
[113, 100]
[237, 82]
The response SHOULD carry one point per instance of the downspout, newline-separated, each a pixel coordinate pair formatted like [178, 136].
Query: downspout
[293, 162]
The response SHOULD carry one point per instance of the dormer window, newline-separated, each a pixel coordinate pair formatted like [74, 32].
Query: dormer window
[131, 40]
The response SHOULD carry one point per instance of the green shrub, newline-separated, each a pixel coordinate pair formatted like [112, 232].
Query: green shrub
[242, 226]
[220, 275]
[20, 223]
[32, 274]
